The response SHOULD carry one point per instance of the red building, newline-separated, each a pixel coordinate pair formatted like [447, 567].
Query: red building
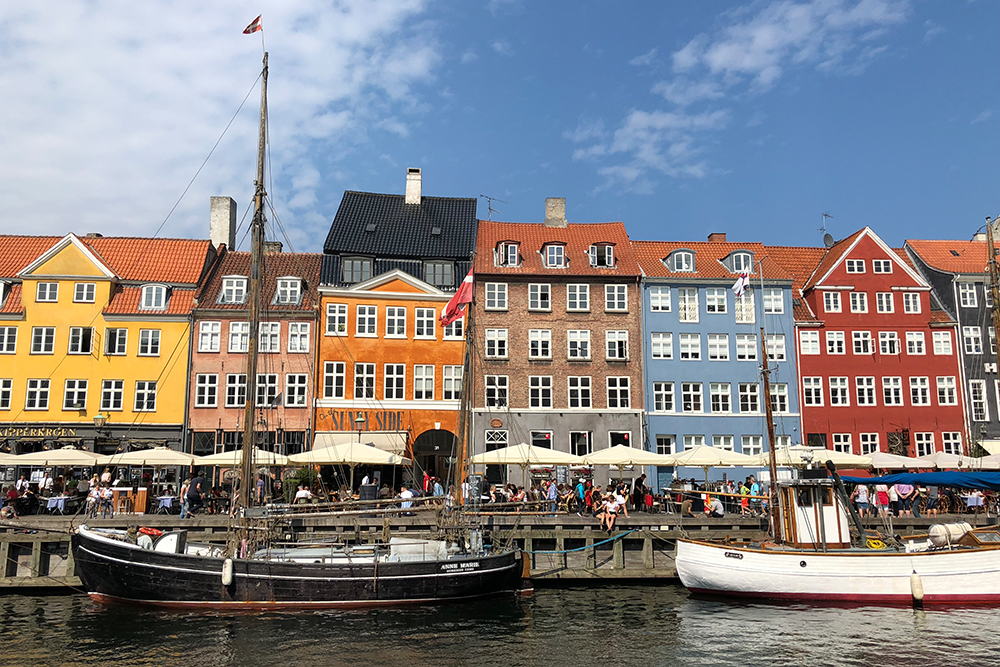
[879, 368]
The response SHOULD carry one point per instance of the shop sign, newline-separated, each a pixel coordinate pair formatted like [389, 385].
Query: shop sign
[36, 432]
[380, 420]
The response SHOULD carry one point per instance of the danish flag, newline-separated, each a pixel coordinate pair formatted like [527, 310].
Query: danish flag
[456, 307]
[255, 26]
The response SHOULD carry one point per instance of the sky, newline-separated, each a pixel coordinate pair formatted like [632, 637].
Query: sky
[678, 118]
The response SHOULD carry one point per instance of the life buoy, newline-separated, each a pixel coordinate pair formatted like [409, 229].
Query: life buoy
[152, 532]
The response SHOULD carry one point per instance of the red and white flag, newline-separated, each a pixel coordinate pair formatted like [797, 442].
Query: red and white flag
[456, 307]
[741, 284]
[255, 26]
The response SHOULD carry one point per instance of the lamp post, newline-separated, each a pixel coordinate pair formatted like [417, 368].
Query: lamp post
[359, 421]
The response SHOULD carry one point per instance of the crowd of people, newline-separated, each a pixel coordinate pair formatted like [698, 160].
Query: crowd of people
[907, 500]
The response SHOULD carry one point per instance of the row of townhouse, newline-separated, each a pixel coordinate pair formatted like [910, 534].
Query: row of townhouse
[582, 338]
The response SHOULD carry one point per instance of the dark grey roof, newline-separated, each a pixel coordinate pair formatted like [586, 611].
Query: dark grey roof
[331, 274]
[385, 226]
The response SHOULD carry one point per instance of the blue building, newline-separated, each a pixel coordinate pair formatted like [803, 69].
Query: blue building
[702, 349]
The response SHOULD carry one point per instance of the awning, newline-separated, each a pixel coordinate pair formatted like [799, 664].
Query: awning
[390, 441]
[992, 446]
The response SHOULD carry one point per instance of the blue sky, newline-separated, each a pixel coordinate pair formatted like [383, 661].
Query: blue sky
[679, 118]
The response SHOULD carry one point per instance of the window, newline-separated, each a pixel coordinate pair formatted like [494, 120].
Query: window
[336, 319]
[859, 302]
[812, 391]
[239, 337]
[43, 340]
[115, 341]
[659, 299]
[835, 342]
[579, 344]
[579, 443]
[234, 290]
[839, 392]
[687, 304]
[8, 340]
[749, 397]
[495, 440]
[395, 382]
[775, 344]
[145, 396]
[395, 322]
[689, 345]
[579, 392]
[665, 444]
[154, 297]
[752, 445]
[862, 342]
[715, 300]
[779, 398]
[719, 397]
[84, 292]
[831, 302]
[993, 339]
[47, 293]
[496, 296]
[507, 254]
[37, 396]
[723, 442]
[809, 342]
[911, 303]
[892, 390]
[364, 380]
[578, 298]
[967, 295]
[842, 442]
[81, 340]
[539, 344]
[357, 270]
[920, 391]
[206, 390]
[149, 342]
[691, 396]
[947, 394]
[236, 390]
[951, 442]
[882, 266]
[75, 395]
[295, 390]
[455, 329]
[869, 443]
[208, 336]
[496, 391]
[267, 390]
[746, 347]
[112, 394]
[973, 337]
[744, 307]
[855, 266]
[692, 441]
[888, 342]
[555, 256]
[915, 342]
[423, 382]
[289, 291]
[439, 274]
[334, 373]
[602, 255]
[774, 303]
[298, 337]
[452, 383]
[683, 261]
[661, 345]
[924, 443]
[540, 391]
[742, 262]
[424, 323]
[539, 297]
[367, 321]
[942, 342]
[883, 302]
[496, 343]
[618, 392]
[541, 439]
[663, 397]
[866, 390]
[718, 347]
[616, 298]
[617, 344]
[270, 337]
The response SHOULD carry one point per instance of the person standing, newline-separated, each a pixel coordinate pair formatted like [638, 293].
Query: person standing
[754, 500]
[639, 493]
[184, 497]
[194, 494]
[860, 497]
[932, 501]
[905, 494]
[21, 485]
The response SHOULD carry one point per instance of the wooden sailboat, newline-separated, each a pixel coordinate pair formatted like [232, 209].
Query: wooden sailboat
[251, 571]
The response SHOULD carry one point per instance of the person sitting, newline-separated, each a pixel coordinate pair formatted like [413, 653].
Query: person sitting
[686, 506]
[715, 509]
[611, 509]
[303, 495]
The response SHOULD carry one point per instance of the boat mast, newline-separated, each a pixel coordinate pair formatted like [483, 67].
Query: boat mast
[772, 459]
[465, 410]
[257, 256]
[994, 272]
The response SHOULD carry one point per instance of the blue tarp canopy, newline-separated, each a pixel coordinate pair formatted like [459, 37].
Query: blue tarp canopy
[958, 480]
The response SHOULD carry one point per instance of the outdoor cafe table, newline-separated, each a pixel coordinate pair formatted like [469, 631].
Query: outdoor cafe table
[57, 503]
[166, 503]
[973, 501]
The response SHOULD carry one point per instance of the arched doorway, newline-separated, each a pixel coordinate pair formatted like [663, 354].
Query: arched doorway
[433, 451]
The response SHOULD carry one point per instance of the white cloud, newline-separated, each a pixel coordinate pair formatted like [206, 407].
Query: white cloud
[647, 58]
[502, 46]
[932, 30]
[983, 116]
[586, 131]
[469, 56]
[110, 108]
[684, 92]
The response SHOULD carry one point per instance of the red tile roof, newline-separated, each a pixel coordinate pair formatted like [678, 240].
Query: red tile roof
[707, 261]
[13, 303]
[578, 237]
[833, 255]
[951, 256]
[276, 265]
[125, 301]
[800, 262]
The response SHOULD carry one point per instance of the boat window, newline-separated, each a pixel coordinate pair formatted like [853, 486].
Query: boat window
[805, 498]
[827, 496]
[987, 537]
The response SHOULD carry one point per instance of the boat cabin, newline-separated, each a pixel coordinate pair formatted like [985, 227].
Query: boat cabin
[814, 516]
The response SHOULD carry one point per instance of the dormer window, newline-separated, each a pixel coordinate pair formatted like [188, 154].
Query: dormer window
[683, 261]
[507, 254]
[234, 289]
[742, 262]
[602, 255]
[555, 256]
[357, 269]
[289, 291]
[154, 297]
[439, 274]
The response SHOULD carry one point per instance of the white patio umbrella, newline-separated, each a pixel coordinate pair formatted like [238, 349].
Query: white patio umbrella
[885, 461]
[64, 456]
[8, 458]
[525, 455]
[620, 456]
[801, 456]
[987, 461]
[350, 454]
[947, 461]
[706, 457]
[156, 456]
[235, 457]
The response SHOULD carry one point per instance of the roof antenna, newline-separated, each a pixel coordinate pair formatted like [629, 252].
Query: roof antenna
[828, 240]
[489, 204]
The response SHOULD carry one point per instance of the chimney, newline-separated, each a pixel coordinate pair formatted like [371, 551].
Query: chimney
[717, 237]
[222, 222]
[978, 236]
[413, 185]
[555, 211]
[272, 246]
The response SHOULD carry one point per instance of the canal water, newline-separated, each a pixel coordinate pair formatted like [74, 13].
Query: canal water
[632, 625]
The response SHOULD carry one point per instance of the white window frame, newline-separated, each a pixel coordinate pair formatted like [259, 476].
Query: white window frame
[289, 291]
[692, 399]
[744, 308]
[862, 340]
[619, 392]
[424, 326]
[892, 390]
[683, 261]
[298, 337]
[831, 302]
[659, 299]
[881, 266]
[296, 390]
[774, 301]
[951, 442]
[540, 297]
[579, 392]
[616, 298]
[923, 443]
[865, 391]
[661, 345]
[869, 443]
[663, 397]
[539, 391]
[334, 379]
[720, 397]
[689, 346]
[112, 395]
[149, 342]
[452, 379]
[80, 341]
[884, 302]
[888, 343]
[915, 343]
[145, 396]
[836, 343]
[84, 292]
[76, 389]
[47, 293]
[336, 319]
[746, 347]
[972, 339]
[595, 255]
[267, 390]
[395, 322]
[555, 256]
[749, 395]
[812, 391]
[809, 342]
[859, 302]
[38, 393]
[206, 390]
[8, 340]
[234, 290]
[578, 298]
[775, 344]
[911, 303]
[920, 391]
[119, 339]
[742, 262]
[578, 344]
[947, 390]
[715, 300]
[540, 343]
[153, 297]
[942, 343]
[239, 337]
[855, 265]
[236, 390]
[366, 321]
[496, 343]
[718, 347]
[967, 295]
[269, 338]
[394, 382]
[496, 296]
[209, 336]
[497, 391]
[842, 443]
[840, 391]
[687, 304]
[43, 340]
[364, 380]
[616, 345]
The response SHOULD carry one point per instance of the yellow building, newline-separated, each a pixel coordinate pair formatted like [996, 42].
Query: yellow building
[95, 327]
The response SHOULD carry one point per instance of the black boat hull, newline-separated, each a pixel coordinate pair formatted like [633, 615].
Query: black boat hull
[111, 570]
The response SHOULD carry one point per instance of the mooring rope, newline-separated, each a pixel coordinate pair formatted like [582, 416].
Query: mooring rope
[584, 548]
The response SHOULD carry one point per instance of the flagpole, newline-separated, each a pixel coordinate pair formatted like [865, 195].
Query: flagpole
[263, 50]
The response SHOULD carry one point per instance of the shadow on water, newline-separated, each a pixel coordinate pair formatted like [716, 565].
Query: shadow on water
[628, 625]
